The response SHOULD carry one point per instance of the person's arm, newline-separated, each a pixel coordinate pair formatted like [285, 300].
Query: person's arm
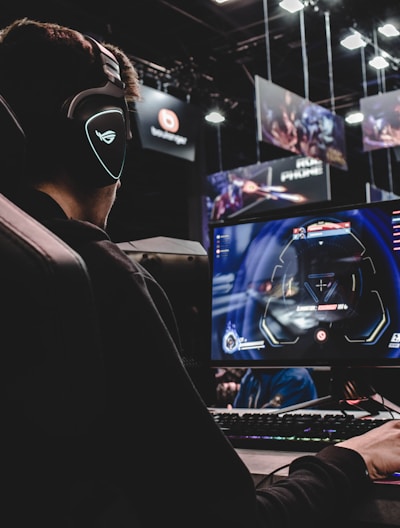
[159, 442]
[318, 489]
[323, 487]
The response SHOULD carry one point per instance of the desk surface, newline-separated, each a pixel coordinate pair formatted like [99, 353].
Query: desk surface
[381, 510]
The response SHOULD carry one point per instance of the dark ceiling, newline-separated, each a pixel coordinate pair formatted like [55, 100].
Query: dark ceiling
[209, 54]
[204, 48]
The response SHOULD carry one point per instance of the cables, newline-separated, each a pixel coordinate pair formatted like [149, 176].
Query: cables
[267, 479]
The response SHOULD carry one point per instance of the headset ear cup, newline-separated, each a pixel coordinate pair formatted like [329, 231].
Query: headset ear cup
[95, 140]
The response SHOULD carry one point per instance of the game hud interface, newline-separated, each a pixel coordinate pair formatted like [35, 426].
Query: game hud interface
[319, 288]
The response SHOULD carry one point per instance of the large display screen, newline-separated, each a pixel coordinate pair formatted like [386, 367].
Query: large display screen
[381, 123]
[256, 189]
[317, 289]
[293, 123]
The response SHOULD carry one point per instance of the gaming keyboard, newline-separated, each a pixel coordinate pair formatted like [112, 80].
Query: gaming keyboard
[299, 431]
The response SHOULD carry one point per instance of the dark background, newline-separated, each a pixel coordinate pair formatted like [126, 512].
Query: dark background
[208, 54]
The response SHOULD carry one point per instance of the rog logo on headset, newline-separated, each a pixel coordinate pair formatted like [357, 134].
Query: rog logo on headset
[108, 136]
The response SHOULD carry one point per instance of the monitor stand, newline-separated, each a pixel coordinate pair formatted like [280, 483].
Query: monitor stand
[350, 389]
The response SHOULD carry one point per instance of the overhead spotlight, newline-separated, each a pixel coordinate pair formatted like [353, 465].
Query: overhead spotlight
[221, 1]
[353, 118]
[389, 30]
[353, 41]
[378, 62]
[215, 117]
[291, 5]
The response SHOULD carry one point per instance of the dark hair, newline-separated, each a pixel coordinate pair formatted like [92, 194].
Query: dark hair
[42, 64]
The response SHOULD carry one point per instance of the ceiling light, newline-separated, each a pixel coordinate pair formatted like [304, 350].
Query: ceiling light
[291, 5]
[388, 30]
[215, 117]
[353, 41]
[378, 62]
[354, 117]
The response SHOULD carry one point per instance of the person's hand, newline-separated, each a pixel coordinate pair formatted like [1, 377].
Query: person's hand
[380, 448]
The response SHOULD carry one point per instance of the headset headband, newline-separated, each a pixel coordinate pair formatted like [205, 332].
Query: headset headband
[114, 86]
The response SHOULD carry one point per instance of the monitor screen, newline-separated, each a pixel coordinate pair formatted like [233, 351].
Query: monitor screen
[320, 288]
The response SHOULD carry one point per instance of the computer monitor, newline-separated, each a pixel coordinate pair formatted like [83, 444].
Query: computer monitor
[316, 288]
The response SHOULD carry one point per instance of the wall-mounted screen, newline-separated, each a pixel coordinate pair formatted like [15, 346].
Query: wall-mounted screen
[293, 123]
[381, 123]
[263, 187]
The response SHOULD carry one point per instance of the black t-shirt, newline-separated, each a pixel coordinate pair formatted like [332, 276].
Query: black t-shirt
[156, 441]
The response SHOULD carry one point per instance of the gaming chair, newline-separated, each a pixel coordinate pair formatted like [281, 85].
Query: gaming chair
[52, 379]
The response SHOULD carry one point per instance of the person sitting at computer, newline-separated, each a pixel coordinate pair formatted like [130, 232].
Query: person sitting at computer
[159, 450]
[263, 387]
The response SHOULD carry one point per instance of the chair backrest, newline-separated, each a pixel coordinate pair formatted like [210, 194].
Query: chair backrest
[52, 381]
[51, 368]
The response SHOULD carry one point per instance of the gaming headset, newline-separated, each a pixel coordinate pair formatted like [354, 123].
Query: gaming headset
[95, 126]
